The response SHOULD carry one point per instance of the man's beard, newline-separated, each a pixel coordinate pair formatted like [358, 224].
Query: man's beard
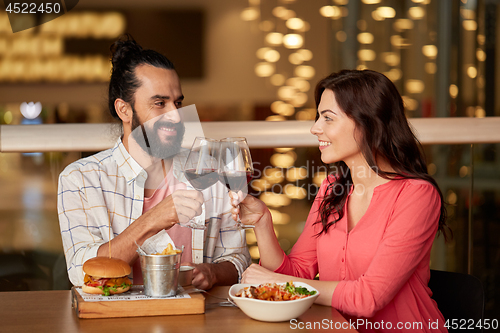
[147, 137]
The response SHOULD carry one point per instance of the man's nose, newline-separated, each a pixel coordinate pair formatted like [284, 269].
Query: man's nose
[172, 116]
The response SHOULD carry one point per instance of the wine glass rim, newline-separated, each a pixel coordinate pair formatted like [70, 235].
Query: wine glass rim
[205, 138]
[235, 138]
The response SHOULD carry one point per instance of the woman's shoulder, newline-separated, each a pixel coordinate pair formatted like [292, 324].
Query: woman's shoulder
[418, 184]
[420, 189]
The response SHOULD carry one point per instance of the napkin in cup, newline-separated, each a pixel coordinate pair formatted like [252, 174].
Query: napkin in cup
[157, 243]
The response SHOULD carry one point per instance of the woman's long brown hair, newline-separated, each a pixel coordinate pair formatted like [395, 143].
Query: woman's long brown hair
[373, 102]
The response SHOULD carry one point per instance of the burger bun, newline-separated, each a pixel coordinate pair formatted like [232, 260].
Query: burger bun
[104, 267]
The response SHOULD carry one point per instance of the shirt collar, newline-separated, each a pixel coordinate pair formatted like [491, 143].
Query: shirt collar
[128, 166]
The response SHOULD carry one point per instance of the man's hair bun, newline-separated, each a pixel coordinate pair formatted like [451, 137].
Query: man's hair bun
[125, 48]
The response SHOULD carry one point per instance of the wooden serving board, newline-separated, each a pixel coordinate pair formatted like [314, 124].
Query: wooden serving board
[137, 308]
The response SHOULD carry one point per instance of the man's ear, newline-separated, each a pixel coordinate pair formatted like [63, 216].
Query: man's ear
[123, 110]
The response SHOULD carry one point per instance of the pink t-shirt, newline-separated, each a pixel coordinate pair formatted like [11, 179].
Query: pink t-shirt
[180, 235]
[382, 263]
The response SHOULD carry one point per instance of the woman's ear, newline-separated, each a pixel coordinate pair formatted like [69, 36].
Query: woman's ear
[123, 110]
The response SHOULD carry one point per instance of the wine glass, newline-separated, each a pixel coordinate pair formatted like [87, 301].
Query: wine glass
[235, 169]
[201, 169]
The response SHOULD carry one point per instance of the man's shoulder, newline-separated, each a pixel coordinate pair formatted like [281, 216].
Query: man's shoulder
[100, 160]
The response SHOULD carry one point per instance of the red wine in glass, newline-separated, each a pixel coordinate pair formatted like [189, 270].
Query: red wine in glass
[235, 169]
[236, 180]
[202, 170]
[202, 179]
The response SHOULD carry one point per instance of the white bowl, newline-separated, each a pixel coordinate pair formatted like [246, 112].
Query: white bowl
[269, 310]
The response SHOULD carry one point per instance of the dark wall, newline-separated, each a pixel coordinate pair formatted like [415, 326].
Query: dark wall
[178, 34]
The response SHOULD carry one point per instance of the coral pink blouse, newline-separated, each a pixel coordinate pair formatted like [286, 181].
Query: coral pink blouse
[382, 263]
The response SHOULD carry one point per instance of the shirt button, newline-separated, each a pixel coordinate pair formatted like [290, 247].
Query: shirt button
[137, 197]
[343, 247]
[342, 259]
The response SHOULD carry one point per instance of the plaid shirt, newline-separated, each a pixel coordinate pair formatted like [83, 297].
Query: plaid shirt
[110, 186]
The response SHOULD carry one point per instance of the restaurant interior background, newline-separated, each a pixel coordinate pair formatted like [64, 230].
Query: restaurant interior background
[256, 60]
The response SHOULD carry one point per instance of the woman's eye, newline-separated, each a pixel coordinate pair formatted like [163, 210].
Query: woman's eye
[160, 103]
[178, 104]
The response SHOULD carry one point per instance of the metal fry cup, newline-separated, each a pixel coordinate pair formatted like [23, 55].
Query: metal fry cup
[160, 273]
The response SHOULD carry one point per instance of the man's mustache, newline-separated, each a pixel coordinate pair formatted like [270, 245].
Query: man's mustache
[167, 124]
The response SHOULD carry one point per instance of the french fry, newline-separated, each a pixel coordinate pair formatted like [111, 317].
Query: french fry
[168, 251]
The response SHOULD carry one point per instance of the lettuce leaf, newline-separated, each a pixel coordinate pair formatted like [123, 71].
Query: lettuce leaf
[298, 290]
[105, 290]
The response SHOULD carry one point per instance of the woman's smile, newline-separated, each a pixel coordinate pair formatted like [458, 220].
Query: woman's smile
[324, 144]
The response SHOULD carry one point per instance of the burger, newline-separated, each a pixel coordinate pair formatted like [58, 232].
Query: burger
[106, 276]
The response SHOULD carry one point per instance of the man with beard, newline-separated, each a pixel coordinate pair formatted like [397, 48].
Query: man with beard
[118, 198]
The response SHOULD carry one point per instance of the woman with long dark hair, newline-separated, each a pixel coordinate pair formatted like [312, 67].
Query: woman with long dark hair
[370, 230]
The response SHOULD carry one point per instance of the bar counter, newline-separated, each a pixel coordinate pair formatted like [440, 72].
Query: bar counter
[51, 311]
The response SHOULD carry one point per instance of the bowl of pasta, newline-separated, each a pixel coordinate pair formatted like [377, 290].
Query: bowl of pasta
[273, 302]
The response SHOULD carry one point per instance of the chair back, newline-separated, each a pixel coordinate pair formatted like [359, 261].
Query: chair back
[460, 297]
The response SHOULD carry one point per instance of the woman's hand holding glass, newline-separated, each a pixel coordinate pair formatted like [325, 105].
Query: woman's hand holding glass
[248, 209]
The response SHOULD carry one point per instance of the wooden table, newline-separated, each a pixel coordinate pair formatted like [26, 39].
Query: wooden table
[51, 312]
